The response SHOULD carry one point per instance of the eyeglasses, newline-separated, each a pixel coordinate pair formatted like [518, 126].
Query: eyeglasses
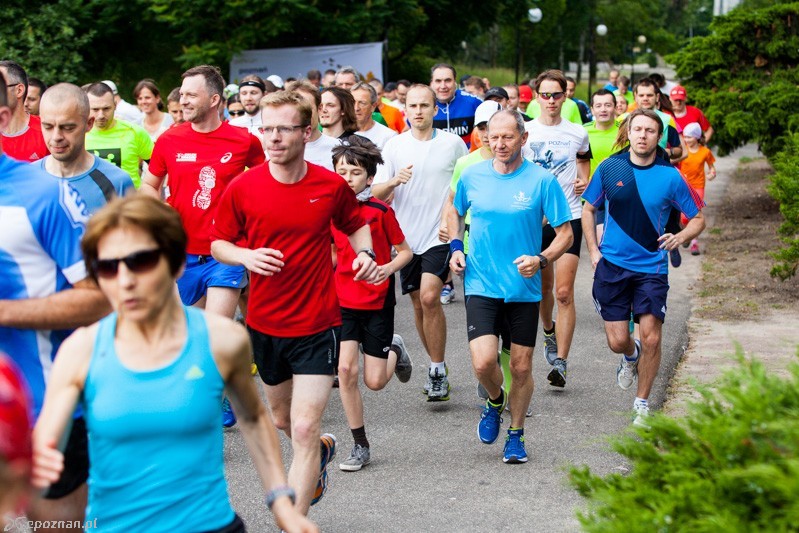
[137, 262]
[556, 96]
[283, 130]
[235, 113]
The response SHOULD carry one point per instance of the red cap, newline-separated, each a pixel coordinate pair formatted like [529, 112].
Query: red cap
[678, 92]
[15, 414]
[525, 93]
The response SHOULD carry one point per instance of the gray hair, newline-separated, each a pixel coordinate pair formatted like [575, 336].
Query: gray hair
[348, 70]
[363, 86]
[515, 115]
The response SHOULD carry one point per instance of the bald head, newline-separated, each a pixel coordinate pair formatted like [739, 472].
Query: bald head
[64, 95]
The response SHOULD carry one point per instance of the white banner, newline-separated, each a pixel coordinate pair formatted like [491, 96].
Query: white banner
[367, 59]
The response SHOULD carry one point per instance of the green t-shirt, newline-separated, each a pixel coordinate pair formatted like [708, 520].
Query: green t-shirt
[461, 164]
[601, 143]
[123, 144]
[570, 111]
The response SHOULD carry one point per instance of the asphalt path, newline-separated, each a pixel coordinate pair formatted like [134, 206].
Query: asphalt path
[429, 471]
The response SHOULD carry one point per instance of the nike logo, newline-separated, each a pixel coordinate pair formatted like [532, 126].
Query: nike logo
[314, 200]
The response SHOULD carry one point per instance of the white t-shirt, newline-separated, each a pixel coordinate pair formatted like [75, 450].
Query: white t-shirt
[555, 148]
[378, 134]
[251, 122]
[418, 204]
[129, 112]
[320, 151]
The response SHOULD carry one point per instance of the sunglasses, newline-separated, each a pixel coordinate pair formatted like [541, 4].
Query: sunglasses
[556, 96]
[137, 262]
[235, 113]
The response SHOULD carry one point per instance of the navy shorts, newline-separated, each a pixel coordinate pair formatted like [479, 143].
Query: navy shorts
[279, 358]
[203, 271]
[492, 316]
[548, 235]
[434, 261]
[617, 291]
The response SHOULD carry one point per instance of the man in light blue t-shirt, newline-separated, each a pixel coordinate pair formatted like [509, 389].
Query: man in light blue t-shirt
[508, 197]
[65, 116]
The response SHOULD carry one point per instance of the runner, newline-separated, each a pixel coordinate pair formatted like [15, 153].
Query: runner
[293, 316]
[148, 98]
[337, 113]
[508, 197]
[367, 310]
[416, 178]
[455, 108]
[365, 98]
[22, 135]
[150, 378]
[630, 264]
[251, 90]
[319, 149]
[693, 168]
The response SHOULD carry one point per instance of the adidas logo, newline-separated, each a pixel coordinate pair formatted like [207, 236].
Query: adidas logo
[620, 184]
[194, 373]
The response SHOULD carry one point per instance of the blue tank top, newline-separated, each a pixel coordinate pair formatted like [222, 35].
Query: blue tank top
[155, 438]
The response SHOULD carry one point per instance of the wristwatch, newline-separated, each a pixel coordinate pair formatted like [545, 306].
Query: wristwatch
[279, 492]
[542, 261]
[369, 252]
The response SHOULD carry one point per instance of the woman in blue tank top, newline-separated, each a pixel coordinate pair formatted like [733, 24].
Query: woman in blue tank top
[150, 379]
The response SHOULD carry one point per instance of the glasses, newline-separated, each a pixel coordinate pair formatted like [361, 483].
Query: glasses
[283, 130]
[137, 262]
[235, 113]
[556, 96]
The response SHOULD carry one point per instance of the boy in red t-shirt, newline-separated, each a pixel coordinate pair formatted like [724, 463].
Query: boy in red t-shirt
[367, 310]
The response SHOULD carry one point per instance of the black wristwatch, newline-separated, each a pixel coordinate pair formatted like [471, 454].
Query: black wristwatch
[542, 261]
[279, 492]
[369, 252]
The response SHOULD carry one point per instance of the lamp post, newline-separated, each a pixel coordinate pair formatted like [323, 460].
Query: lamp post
[636, 49]
[534, 15]
[601, 30]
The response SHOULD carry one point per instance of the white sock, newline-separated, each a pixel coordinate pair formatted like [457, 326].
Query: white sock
[634, 355]
[441, 367]
[640, 402]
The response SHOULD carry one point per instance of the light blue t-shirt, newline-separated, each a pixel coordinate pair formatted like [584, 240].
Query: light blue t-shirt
[99, 184]
[507, 213]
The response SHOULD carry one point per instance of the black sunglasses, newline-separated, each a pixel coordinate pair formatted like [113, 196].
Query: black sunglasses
[235, 113]
[137, 262]
[557, 96]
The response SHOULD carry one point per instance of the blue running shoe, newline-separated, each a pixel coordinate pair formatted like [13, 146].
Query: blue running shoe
[328, 443]
[491, 420]
[514, 447]
[228, 417]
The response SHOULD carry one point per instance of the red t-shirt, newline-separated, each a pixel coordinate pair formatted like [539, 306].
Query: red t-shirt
[28, 145]
[262, 212]
[386, 232]
[692, 114]
[200, 166]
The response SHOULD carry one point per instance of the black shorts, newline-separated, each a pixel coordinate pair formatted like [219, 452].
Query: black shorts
[372, 328]
[434, 261]
[76, 462]
[279, 358]
[617, 291]
[236, 526]
[492, 316]
[548, 235]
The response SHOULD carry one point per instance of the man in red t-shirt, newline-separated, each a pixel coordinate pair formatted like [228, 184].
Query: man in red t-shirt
[280, 213]
[201, 157]
[22, 138]
[685, 114]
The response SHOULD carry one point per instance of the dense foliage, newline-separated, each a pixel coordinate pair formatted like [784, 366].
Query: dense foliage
[785, 189]
[731, 464]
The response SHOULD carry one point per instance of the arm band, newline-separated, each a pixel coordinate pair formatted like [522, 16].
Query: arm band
[456, 245]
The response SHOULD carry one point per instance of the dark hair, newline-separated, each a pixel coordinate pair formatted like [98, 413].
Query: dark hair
[658, 78]
[330, 71]
[347, 103]
[569, 78]
[603, 92]
[390, 86]
[214, 81]
[233, 99]
[551, 75]
[3, 94]
[137, 210]
[442, 65]
[99, 89]
[36, 82]
[475, 81]
[647, 82]
[648, 113]
[360, 151]
[15, 74]
[314, 74]
[404, 82]
[174, 95]
[148, 83]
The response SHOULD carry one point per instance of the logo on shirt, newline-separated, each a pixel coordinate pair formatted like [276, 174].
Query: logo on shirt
[185, 158]
[207, 181]
[521, 201]
[194, 373]
[73, 205]
[314, 200]
[620, 184]
[225, 158]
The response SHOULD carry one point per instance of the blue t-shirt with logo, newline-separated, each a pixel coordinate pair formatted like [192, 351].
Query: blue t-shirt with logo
[507, 212]
[98, 185]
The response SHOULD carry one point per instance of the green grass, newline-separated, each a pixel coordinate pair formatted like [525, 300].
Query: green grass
[499, 76]
[745, 160]
[715, 231]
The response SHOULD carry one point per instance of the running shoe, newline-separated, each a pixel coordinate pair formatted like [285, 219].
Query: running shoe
[328, 443]
[557, 376]
[359, 457]
[514, 447]
[228, 417]
[550, 346]
[641, 414]
[404, 364]
[439, 386]
[628, 370]
[676, 258]
[447, 294]
[491, 421]
[694, 247]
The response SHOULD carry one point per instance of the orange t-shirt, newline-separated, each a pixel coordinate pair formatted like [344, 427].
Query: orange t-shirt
[693, 166]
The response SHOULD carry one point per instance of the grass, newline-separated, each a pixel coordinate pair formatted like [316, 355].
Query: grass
[499, 76]
[715, 231]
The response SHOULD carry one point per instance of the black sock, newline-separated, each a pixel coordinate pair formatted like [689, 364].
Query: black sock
[550, 331]
[500, 399]
[359, 436]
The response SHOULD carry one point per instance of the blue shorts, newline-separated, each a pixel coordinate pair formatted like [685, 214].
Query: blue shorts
[203, 271]
[617, 291]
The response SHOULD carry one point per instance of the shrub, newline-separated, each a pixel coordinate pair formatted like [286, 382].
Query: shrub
[785, 189]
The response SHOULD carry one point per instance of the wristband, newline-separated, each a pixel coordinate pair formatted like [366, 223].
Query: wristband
[456, 245]
[279, 492]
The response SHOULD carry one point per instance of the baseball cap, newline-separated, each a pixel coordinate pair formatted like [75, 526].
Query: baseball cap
[277, 80]
[525, 93]
[485, 111]
[496, 92]
[111, 85]
[678, 92]
[15, 417]
[692, 130]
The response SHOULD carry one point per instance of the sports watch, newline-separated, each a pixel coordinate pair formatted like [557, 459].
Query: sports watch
[369, 252]
[542, 261]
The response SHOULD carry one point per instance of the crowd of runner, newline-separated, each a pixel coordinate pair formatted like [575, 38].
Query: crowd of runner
[135, 237]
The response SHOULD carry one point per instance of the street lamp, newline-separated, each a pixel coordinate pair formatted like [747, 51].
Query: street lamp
[601, 30]
[636, 49]
[534, 15]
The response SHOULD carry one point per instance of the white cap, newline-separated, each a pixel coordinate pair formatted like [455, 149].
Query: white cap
[277, 80]
[485, 111]
[693, 130]
[111, 85]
